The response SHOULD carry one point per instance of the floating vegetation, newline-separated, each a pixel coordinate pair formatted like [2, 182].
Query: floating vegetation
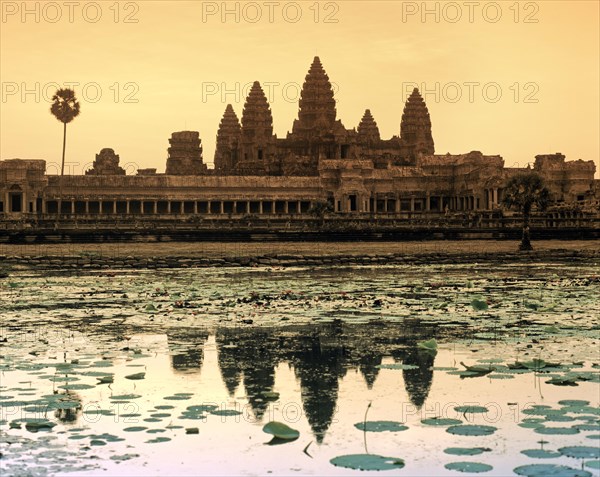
[471, 467]
[441, 421]
[281, 430]
[466, 450]
[549, 470]
[472, 430]
[381, 426]
[367, 462]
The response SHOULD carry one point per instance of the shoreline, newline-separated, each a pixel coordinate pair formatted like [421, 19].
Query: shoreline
[205, 254]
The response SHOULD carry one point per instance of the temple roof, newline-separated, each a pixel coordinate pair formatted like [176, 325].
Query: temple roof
[368, 127]
[257, 120]
[316, 105]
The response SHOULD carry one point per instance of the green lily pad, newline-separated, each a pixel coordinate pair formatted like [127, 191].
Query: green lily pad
[471, 409]
[593, 464]
[367, 462]
[479, 304]
[136, 376]
[125, 397]
[549, 470]
[540, 453]
[380, 426]
[280, 430]
[158, 440]
[471, 430]
[35, 425]
[581, 452]
[471, 467]
[466, 450]
[225, 412]
[135, 429]
[397, 366]
[563, 431]
[573, 402]
[441, 421]
[430, 345]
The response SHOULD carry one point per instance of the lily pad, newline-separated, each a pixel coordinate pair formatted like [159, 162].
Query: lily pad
[466, 450]
[136, 376]
[549, 470]
[367, 462]
[471, 430]
[441, 421]
[540, 453]
[281, 430]
[581, 452]
[430, 345]
[397, 366]
[479, 304]
[381, 426]
[556, 430]
[471, 409]
[225, 412]
[471, 467]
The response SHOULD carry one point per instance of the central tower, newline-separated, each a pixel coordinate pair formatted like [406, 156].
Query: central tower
[317, 113]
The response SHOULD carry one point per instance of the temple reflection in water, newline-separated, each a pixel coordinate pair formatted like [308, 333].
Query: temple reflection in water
[320, 356]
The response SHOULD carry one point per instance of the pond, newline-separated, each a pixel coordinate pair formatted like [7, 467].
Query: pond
[395, 370]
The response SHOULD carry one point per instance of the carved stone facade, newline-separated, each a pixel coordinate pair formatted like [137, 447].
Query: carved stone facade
[258, 173]
[185, 154]
[106, 164]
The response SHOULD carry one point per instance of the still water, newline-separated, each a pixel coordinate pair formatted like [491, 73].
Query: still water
[436, 370]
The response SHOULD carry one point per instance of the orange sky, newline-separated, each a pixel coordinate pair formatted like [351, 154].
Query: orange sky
[148, 68]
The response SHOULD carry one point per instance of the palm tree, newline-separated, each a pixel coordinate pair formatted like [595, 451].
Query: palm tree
[65, 108]
[524, 191]
[319, 209]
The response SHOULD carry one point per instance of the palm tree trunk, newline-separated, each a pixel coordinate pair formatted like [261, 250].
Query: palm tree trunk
[62, 167]
[526, 239]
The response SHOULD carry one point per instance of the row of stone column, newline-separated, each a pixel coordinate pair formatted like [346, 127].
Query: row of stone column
[131, 206]
[398, 204]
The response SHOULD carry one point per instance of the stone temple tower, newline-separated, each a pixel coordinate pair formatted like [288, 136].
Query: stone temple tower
[368, 132]
[257, 132]
[228, 140]
[317, 113]
[185, 154]
[415, 128]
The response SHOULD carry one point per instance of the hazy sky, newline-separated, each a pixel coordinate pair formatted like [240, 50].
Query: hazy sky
[509, 78]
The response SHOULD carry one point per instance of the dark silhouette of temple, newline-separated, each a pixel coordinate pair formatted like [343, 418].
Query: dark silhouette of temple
[258, 173]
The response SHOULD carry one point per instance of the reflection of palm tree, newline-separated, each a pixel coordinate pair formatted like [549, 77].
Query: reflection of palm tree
[65, 108]
[71, 413]
[187, 346]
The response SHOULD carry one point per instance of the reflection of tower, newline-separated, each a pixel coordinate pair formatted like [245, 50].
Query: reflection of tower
[418, 381]
[229, 360]
[251, 353]
[186, 347]
[318, 367]
[367, 364]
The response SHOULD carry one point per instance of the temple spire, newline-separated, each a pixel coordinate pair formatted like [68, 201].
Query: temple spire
[257, 121]
[415, 128]
[367, 129]
[228, 137]
[316, 105]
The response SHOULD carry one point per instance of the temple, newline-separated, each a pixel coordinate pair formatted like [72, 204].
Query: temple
[320, 160]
